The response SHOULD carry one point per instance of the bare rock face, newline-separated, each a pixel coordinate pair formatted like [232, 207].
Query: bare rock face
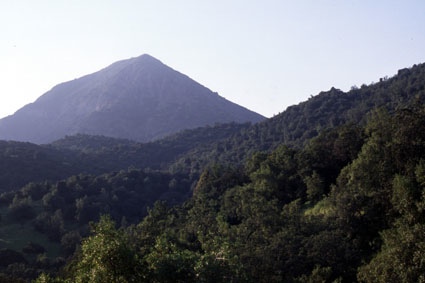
[140, 99]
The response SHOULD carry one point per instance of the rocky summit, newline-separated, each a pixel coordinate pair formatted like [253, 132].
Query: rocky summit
[140, 99]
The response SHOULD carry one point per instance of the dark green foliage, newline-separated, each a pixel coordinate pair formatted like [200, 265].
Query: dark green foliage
[106, 256]
[268, 230]
[21, 209]
[299, 123]
[80, 199]
[171, 264]
[401, 258]
[328, 191]
[107, 154]
[239, 227]
[347, 207]
[62, 214]
[8, 257]
[33, 248]
[21, 163]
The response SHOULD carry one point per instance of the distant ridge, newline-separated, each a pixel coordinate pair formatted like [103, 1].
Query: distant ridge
[139, 99]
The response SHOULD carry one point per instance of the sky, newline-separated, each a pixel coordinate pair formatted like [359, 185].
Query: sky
[265, 55]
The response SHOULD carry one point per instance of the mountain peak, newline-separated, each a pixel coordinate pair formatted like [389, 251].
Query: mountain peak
[147, 57]
[142, 59]
[138, 98]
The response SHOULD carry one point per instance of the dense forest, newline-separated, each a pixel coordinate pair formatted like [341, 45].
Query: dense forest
[331, 190]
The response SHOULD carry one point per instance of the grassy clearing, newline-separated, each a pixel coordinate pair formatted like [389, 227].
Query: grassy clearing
[16, 236]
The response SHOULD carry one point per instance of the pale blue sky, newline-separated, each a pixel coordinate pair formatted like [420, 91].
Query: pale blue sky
[265, 55]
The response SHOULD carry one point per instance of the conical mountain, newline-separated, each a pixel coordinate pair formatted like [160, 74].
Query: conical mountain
[140, 99]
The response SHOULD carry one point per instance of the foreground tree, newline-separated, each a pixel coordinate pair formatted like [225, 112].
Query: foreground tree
[106, 256]
[402, 256]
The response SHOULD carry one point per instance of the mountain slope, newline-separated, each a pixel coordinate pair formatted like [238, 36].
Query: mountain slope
[298, 124]
[140, 99]
[191, 150]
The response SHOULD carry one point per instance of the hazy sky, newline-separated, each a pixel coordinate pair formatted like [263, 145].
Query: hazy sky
[265, 55]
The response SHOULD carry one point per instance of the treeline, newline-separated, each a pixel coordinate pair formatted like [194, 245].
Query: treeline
[299, 123]
[21, 163]
[191, 150]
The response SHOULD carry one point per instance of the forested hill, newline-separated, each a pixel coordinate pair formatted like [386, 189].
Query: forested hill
[329, 109]
[330, 190]
[347, 207]
[21, 163]
[334, 107]
[299, 123]
[191, 150]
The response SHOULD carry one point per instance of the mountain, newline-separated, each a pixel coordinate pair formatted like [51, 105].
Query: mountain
[192, 150]
[139, 99]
